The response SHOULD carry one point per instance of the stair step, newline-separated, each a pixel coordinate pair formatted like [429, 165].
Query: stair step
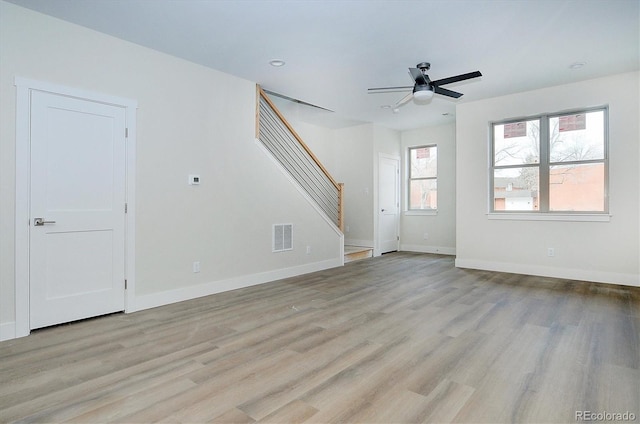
[354, 253]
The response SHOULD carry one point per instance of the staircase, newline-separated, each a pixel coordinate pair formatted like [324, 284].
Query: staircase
[354, 253]
[287, 147]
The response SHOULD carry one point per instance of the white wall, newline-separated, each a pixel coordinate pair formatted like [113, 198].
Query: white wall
[351, 155]
[441, 226]
[593, 251]
[319, 141]
[191, 119]
[354, 167]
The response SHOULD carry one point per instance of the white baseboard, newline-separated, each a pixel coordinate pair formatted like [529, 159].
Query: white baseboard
[7, 331]
[178, 295]
[428, 249]
[546, 271]
[358, 242]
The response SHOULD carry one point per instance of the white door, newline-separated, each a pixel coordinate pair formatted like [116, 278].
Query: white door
[77, 215]
[389, 204]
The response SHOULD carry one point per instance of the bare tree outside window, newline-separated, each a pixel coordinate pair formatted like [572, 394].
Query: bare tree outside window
[577, 162]
[569, 156]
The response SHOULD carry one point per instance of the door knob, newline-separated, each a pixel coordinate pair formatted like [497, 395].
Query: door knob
[38, 222]
[383, 210]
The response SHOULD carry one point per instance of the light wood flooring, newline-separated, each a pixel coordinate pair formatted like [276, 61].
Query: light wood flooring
[401, 338]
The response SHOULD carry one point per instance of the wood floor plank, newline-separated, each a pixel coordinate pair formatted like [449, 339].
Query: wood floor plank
[236, 416]
[311, 371]
[402, 338]
[40, 404]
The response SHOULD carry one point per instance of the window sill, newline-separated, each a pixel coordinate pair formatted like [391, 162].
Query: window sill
[576, 217]
[430, 212]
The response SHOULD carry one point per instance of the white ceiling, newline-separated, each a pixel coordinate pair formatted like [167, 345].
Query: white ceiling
[334, 50]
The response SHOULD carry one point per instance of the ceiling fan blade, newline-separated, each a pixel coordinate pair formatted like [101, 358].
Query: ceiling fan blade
[445, 92]
[406, 99]
[388, 89]
[417, 76]
[457, 78]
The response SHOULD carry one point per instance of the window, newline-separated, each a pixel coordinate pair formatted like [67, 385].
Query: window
[423, 178]
[551, 163]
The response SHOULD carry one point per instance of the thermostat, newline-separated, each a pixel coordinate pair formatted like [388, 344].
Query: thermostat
[194, 179]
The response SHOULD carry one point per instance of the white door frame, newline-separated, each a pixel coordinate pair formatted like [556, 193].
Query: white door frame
[23, 171]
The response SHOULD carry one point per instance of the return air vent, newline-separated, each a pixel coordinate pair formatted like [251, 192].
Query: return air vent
[282, 237]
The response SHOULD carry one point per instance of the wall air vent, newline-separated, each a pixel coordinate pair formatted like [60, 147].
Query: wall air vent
[282, 237]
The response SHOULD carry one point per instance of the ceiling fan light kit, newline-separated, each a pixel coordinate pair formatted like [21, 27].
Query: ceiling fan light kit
[422, 94]
[423, 88]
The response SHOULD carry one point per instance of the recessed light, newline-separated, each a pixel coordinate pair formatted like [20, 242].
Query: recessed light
[277, 63]
[577, 65]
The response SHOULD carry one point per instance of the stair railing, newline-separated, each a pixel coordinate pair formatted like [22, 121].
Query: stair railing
[280, 139]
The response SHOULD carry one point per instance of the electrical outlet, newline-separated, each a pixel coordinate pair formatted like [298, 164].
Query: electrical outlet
[308, 250]
[551, 252]
[425, 236]
[196, 266]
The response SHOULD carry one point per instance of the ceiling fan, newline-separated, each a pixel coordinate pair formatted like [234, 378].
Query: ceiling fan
[424, 88]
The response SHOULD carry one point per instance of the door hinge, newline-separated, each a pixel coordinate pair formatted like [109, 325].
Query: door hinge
[126, 207]
[126, 133]
[125, 283]
[398, 238]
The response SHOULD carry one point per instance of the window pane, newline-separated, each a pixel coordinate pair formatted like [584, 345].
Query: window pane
[577, 187]
[577, 137]
[516, 189]
[424, 162]
[423, 194]
[516, 143]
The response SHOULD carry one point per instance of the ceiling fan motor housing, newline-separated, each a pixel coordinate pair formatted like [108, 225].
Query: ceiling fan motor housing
[423, 66]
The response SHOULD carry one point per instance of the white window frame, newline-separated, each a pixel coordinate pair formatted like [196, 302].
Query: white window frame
[410, 211]
[543, 166]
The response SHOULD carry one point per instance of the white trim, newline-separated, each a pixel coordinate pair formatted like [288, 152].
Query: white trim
[439, 250]
[130, 217]
[554, 272]
[23, 184]
[549, 216]
[77, 93]
[24, 87]
[7, 331]
[200, 290]
[426, 212]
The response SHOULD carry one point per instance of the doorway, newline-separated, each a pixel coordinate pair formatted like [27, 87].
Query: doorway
[74, 192]
[388, 204]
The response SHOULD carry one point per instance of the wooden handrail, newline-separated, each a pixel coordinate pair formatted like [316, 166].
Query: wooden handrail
[341, 206]
[262, 94]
